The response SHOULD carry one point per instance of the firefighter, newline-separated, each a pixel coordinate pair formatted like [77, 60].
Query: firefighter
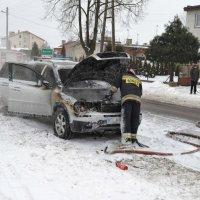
[131, 92]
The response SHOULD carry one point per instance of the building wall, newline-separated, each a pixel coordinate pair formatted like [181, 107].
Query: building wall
[75, 51]
[25, 39]
[135, 52]
[34, 38]
[11, 55]
[190, 22]
[3, 42]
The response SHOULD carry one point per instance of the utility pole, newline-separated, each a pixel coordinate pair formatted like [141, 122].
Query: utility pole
[104, 27]
[7, 39]
[137, 39]
[113, 26]
[7, 36]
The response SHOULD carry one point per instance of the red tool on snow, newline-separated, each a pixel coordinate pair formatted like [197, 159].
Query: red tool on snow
[121, 165]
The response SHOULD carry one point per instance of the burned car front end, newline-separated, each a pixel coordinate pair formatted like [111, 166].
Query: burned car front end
[91, 111]
[85, 95]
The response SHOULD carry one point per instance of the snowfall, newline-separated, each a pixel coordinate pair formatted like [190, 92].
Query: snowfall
[36, 165]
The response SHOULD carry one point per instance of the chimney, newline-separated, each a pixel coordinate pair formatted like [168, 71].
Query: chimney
[63, 41]
[128, 42]
[11, 33]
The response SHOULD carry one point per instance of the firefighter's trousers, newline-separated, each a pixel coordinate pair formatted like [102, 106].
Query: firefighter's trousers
[130, 119]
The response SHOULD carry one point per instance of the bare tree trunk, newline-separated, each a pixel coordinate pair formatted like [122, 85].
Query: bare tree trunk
[104, 27]
[88, 44]
[113, 26]
[92, 45]
[88, 24]
[80, 25]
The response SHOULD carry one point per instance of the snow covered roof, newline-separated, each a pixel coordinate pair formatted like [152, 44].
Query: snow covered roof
[191, 8]
[137, 46]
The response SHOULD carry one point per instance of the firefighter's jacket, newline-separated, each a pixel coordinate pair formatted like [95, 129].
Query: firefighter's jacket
[131, 87]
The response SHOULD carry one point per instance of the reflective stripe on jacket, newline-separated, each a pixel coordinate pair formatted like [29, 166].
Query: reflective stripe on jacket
[131, 88]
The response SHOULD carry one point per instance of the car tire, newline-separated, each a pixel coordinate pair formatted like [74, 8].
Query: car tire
[61, 124]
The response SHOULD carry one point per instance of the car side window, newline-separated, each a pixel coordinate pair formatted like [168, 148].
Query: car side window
[39, 68]
[4, 73]
[21, 73]
[49, 75]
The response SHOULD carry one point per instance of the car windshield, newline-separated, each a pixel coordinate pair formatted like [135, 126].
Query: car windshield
[90, 90]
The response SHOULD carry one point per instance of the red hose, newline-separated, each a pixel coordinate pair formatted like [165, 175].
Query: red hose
[170, 135]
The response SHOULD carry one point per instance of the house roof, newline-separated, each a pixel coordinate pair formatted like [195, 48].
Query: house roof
[72, 43]
[28, 33]
[137, 46]
[191, 8]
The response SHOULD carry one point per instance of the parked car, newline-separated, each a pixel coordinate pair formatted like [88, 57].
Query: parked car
[73, 96]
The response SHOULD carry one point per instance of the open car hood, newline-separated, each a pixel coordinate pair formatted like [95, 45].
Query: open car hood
[92, 68]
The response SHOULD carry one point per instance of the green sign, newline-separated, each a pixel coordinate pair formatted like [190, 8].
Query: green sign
[47, 52]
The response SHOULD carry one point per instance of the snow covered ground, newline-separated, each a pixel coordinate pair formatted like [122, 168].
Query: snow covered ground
[158, 91]
[34, 164]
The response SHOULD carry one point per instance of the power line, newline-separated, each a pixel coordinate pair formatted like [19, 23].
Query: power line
[33, 22]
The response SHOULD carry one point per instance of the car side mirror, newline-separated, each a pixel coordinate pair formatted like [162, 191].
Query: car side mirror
[46, 84]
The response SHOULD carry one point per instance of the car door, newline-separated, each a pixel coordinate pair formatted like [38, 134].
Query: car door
[26, 94]
[4, 82]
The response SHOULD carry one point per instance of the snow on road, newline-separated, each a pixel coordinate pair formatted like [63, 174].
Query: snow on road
[34, 164]
[158, 91]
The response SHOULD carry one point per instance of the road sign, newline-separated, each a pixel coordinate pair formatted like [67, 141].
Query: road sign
[47, 53]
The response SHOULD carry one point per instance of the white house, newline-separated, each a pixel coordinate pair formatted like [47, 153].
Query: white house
[74, 50]
[25, 40]
[12, 56]
[193, 19]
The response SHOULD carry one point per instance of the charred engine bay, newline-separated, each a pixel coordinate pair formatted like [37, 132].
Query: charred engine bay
[93, 98]
[99, 106]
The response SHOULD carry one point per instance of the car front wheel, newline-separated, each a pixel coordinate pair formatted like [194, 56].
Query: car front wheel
[61, 124]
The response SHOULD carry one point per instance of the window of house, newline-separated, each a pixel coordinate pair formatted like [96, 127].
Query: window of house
[20, 36]
[197, 20]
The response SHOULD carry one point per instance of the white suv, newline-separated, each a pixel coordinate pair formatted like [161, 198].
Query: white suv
[75, 97]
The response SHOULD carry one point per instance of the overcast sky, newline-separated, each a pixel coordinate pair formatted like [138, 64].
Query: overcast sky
[29, 14]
